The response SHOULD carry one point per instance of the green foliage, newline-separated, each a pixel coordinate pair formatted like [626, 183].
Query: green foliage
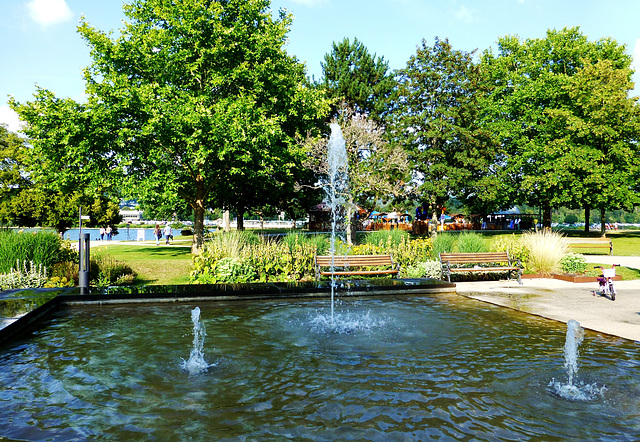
[513, 244]
[268, 260]
[232, 270]
[570, 219]
[443, 243]
[355, 78]
[42, 248]
[424, 269]
[319, 242]
[292, 259]
[469, 242]
[107, 271]
[406, 252]
[378, 237]
[573, 264]
[63, 274]
[435, 116]
[25, 274]
[546, 250]
[560, 106]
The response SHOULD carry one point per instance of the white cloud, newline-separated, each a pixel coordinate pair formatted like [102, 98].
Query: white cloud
[9, 118]
[464, 14]
[48, 12]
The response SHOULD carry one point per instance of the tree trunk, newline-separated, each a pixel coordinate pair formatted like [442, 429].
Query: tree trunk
[434, 224]
[587, 216]
[603, 222]
[350, 230]
[546, 215]
[198, 217]
[240, 220]
[226, 221]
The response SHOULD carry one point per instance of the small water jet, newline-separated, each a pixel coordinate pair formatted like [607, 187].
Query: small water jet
[196, 363]
[572, 389]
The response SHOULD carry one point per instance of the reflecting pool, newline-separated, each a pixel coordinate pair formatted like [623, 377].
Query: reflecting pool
[403, 368]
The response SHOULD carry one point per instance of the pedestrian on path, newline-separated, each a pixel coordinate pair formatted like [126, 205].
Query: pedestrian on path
[167, 233]
[158, 234]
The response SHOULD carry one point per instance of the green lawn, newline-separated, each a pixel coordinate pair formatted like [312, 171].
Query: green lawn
[157, 265]
[627, 274]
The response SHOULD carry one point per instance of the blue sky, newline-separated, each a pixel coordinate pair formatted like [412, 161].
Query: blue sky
[40, 45]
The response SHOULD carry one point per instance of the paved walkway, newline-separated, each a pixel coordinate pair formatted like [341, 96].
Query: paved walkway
[562, 300]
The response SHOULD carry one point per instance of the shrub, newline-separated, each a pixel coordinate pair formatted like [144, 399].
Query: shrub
[425, 269]
[288, 260]
[379, 237]
[37, 247]
[469, 242]
[63, 274]
[319, 242]
[24, 275]
[573, 264]
[514, 245]
[443, 243]
[230, 270]
[546, 249]
[106, 270]
[186, 232]
[570, 219]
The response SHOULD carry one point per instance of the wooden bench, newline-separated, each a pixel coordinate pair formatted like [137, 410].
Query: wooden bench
[462, 263]
[591, 243]
[352, 265]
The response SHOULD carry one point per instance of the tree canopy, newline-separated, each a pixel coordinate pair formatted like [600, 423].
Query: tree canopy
[354, 78]
[434, 117]
[189, 96]
[546, 125]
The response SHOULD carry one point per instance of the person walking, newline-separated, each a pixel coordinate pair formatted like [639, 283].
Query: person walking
[108, 232]
[158, 234]
[101, 233]
[167, 233]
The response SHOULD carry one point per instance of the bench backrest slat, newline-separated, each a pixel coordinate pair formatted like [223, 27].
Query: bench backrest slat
[354, 260]
[471, 258]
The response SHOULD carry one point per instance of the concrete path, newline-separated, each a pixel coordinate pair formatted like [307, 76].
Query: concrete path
[561, 300]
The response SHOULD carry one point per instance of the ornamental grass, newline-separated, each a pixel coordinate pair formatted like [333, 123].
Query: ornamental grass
[546, 250]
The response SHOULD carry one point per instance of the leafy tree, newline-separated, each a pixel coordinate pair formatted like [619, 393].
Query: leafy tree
[354, 78]
[190, 94]
[434, 117]
[377, 171]
[529, 84]
[602, 127]
[13, 157]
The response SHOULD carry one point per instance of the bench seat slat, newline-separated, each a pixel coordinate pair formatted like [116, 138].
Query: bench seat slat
[483, 269]
[342, 264]
[462, 259]
[360, 272]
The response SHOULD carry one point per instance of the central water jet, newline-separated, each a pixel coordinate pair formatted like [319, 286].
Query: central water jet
[336, 190]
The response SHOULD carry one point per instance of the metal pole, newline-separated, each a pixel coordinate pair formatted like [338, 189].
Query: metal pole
[85, 263]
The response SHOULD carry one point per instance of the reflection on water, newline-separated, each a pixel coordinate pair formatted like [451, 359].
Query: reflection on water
[425, 367]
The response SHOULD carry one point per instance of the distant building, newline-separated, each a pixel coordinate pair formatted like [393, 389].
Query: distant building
[131, 216]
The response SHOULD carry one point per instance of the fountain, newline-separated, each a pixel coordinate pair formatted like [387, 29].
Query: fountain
[410, 367]
[336, 189]
[441, 366]
[572, 389]
[196, 363]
